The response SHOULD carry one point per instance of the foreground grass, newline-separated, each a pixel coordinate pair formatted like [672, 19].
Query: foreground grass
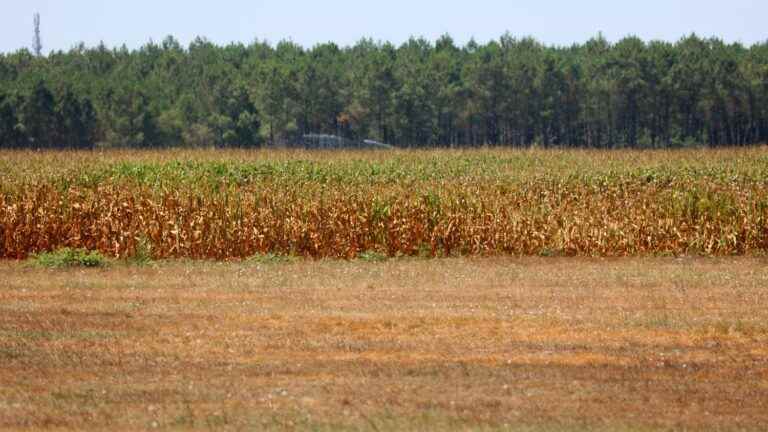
[455, 344]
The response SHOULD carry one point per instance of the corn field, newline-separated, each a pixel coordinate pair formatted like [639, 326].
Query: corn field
[233, 204]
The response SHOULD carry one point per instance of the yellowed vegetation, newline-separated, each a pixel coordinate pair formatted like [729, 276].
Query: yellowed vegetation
[235, 204]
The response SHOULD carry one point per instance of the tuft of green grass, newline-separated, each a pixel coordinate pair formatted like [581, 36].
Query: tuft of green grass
[68, 257]
[270, 258]
[372, 256]
[142, 255]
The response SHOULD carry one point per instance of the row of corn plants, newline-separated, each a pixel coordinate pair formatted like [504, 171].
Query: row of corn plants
[626, 214]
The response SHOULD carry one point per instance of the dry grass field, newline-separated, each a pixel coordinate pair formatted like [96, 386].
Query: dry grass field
[520, 344]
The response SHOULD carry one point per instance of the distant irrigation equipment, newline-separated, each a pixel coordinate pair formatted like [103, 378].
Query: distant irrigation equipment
[325, 141]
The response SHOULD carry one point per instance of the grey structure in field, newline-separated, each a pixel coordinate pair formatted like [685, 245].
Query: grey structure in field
[324, 141]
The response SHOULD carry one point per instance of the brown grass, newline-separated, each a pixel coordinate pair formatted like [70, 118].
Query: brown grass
[456, 344]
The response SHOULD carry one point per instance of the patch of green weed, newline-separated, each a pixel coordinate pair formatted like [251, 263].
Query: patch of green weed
[142, 255]
[68, 257]
[270, 258]
[372, 256]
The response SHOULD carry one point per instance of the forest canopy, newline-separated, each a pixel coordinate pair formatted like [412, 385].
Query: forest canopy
[507, 92]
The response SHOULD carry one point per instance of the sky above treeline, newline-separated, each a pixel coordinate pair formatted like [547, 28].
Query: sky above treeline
[65, 23]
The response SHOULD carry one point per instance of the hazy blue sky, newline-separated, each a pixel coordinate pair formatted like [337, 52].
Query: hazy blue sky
[134, 22]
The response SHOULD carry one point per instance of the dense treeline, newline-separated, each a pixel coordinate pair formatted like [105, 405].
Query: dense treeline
[512, 91]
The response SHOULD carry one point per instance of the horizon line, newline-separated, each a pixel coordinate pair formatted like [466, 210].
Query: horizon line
[381, 42]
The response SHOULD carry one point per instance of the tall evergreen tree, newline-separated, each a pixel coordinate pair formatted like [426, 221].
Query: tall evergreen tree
[38, 117]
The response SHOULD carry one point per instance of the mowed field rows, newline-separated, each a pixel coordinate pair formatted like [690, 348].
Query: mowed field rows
[518, 344]
[236, 204]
